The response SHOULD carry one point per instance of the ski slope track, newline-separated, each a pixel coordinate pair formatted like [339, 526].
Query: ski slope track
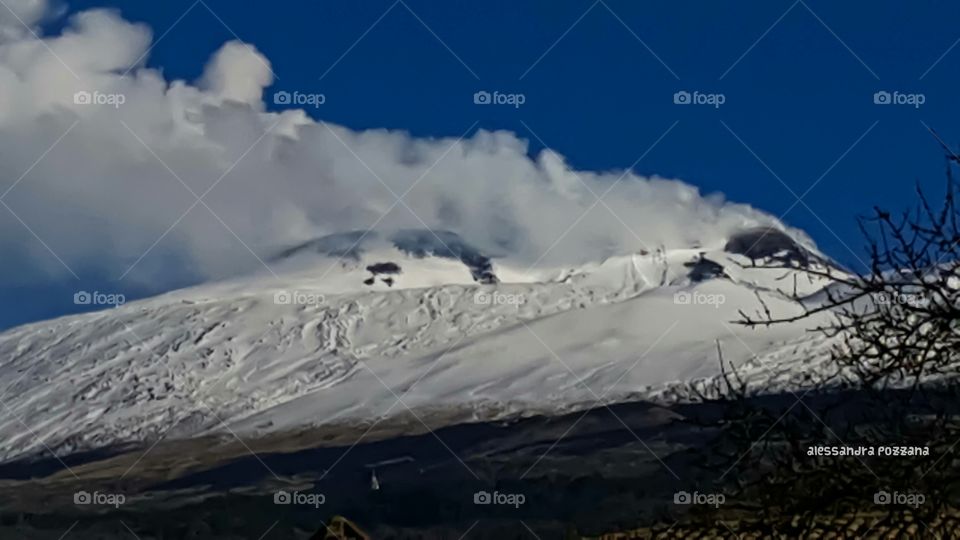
[397, 324]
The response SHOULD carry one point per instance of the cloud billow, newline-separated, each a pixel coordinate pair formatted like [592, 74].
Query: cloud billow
[111, 187]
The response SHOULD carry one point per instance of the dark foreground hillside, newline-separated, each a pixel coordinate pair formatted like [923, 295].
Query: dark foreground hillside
[635, 469]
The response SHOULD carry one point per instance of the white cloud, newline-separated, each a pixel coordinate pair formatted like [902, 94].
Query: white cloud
[238, 73]
[18, 17]
[100, 198]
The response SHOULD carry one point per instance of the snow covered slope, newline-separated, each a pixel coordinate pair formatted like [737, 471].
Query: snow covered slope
[357, 328]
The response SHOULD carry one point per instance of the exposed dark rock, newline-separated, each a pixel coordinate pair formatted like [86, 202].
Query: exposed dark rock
[763, 243]
[384, 268]
[415, 242]
[703, 269]
[448, 244]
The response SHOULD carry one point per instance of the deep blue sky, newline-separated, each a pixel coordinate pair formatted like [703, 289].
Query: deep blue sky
[800, 97]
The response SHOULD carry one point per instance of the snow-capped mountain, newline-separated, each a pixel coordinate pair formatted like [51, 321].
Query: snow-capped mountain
[362, 326]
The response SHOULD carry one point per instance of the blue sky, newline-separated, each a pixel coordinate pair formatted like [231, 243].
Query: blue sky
[797, 81]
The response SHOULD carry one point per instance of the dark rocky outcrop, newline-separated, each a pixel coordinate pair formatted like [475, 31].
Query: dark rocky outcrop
[769, 244]
[384, 268]
[703, 269]
[414, 242]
